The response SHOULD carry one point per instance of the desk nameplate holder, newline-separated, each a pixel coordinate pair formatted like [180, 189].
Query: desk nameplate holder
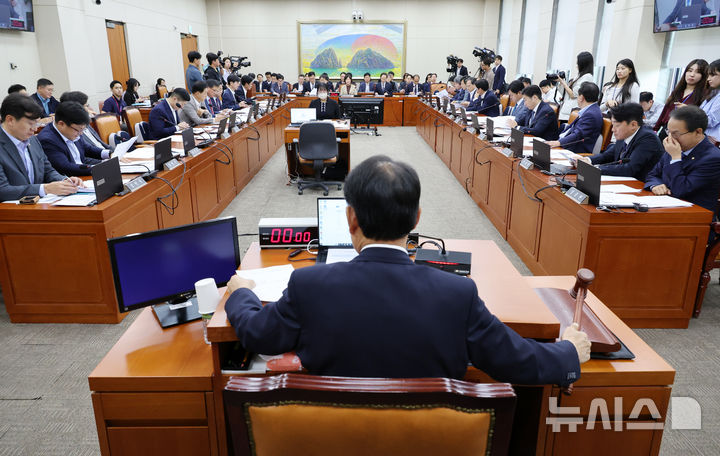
[194, 152]
[225, 135]
[526, 163]
[171, 164]
[577, 196]
[507, 152]
[135, 183]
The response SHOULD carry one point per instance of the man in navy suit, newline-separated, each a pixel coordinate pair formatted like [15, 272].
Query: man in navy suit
[366, 85]
[43, 96]
[309, 86]
[541, 120]
[267, 82]
[164, 116]
[516, 104]
[24, 168]
[581, 136]
[690, 168]
[241, 93]
[499, 79]
[486, 102]
[213, 102]
[229, 95]
[381, 315]
[637, 150]
[63, 144]
[384, 87]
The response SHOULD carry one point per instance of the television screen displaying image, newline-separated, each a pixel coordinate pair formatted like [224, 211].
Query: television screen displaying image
[673, 15]
[17, 15]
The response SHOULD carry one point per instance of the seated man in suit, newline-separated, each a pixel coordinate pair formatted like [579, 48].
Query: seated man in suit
[229, 97]
[63, 143]
[384, 87]
[326, 108]
[298, 86]
[280, 87]
[381, 315]
[95, 147]
[43, 96]
[515, 98]
[213, 102]
[541, 120]
[366, 85]
[485, 102]
[243, 90]
[195, 111]
[115, 103]
[690, 168]
[164, 116]
[24, 168]
[637, 150]
[391, 79]
[459, 88]
[309, 87]
[265, 86]
[581, 136]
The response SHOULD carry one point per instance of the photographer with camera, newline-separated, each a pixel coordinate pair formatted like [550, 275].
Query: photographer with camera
[487, 71]
[584, 65]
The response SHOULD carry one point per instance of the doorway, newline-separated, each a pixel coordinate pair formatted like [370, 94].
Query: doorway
[118, 51]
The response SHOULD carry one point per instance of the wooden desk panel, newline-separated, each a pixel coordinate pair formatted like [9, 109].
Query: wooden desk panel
[410, 111]
[292, 133]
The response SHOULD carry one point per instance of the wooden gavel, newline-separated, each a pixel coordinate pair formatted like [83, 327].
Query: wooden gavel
[583, 280]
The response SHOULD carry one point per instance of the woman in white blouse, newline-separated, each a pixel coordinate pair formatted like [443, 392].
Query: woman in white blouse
[348, 88]
[569, 90]
[623, 88]
[226, 68]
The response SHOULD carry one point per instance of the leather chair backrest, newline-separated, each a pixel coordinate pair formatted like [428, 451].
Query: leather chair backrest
[132, 117]
[606, 132]
[105, 125]
[573, 116]
[317, 141]
[504, 100]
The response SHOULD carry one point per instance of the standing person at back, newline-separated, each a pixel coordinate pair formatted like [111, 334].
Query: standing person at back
[487, 71]
[711, 102]
[213, 69]
[499, 78]
[584, 64]
[193, 73]
[381, 315]
[689, 90]
[461, 69]
[623, 88]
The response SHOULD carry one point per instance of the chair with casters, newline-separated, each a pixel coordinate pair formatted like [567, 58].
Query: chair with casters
[317, 145]
[132, 117]
[323, 416]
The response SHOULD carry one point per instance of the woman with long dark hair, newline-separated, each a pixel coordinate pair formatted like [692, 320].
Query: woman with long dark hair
[160, 83]
[348, 88]
[711, 103]
[689, 90]
[131, 96]
[584, 63]
[623, 88]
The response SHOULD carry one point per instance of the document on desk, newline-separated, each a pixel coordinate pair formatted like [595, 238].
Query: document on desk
[340, 255]
[658, 201]
[617, 179]
[122, 148]
[269, 282]
[79, 200]
[145, 153]
[502, 121]
[618, 188]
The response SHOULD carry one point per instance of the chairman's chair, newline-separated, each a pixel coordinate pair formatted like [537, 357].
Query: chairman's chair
[295, 414]
[317, 145]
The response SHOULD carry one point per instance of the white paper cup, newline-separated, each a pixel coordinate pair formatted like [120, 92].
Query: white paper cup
[207, 295]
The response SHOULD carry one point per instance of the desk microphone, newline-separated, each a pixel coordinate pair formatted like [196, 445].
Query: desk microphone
[489, 107]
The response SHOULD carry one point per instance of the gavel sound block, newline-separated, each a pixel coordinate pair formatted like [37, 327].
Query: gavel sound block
[569, 306]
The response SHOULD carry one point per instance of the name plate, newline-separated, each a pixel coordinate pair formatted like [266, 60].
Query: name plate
[225, 135]
[526, 163]
[171, 164]
[195, 152]
[507, 152]
[577, 196]
[135, 184]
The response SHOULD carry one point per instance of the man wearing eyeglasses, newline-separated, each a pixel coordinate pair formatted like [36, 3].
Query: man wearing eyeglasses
[690, 167]
[24, 168]
[62, 141]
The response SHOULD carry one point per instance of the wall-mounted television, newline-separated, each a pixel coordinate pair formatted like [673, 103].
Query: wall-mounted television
[17, 15]
[671, 15]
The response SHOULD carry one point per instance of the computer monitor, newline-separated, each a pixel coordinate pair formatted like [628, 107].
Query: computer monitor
[333, 228]
[362, 110]
[162, 266]
[221, 128]
[107, 179]
[489, 128]
[163, 153]
[517, 138]
[589, 179]
[302, 115]
[541, 155]
[231, 122]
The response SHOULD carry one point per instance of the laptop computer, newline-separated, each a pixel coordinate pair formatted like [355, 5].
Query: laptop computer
[299, 116]
[589, 179]
[163, 153]
[333, 232]
[107, 179]
[517, 137]
[453, 112]
[464, 115]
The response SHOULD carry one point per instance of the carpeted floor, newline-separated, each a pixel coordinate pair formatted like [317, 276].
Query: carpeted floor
[45, 406]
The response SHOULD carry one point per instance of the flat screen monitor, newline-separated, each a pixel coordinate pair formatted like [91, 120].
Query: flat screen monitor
[671, 15]
[17, 15]
[362, 110]
[588, 181]
[517, 138]
[161, 267]
[541, 155]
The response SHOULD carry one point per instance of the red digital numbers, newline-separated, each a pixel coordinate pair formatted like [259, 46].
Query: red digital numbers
[275, 236]
[288, 236]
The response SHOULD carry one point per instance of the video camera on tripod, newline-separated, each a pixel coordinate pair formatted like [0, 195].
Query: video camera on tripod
[483, 53]
[452, 63]
[236, 62]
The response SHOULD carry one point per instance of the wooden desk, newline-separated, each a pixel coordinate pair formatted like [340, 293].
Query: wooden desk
[54, 261]
[294, 169]
[647, 265]
[398, 110]
[163, 377]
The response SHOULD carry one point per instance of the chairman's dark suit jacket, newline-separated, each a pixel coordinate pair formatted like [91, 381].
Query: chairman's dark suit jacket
[643, 152]
[307, 87]
[162, 121]
[381, 315]
[60, 157]
[389, 88]
[695, 178]
[332, 109]
[586, 128]
[14, 180]
[544, 124]
[52, 104]
[488, 105]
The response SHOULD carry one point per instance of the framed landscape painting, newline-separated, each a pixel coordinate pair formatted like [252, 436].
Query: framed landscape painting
[367, 47]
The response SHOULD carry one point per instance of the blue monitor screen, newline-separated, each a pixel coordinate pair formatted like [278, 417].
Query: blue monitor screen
[157, 266]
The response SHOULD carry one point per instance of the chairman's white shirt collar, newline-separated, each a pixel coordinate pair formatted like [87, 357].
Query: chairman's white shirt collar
[385, 246]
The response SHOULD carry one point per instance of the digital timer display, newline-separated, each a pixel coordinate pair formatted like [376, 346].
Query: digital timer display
[286, 234]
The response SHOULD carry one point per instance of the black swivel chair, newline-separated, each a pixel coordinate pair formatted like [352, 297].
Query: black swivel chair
[317, 146]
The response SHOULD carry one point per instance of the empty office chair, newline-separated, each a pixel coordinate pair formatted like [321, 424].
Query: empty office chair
[710, 262]
[504, 100]
[106, 125]
[317, 146]
[132, 117]
[142, 132]
[295, 414]
[606, 133]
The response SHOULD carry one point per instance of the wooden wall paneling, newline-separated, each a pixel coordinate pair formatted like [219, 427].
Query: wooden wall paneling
[184, 212]
[204, 188]
[467, 143]
[410, 111]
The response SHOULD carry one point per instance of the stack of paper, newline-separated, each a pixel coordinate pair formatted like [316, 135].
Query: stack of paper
[618, 188]
[269, 282]
[627, 200]
[617, 179]
[76, 200]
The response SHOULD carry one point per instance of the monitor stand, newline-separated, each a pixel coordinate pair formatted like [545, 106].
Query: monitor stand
[177, 312]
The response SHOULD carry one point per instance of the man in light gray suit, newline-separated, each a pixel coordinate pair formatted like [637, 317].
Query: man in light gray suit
[24, 168]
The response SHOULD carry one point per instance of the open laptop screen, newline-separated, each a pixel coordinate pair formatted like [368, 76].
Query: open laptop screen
[333, 230]
[300, 115]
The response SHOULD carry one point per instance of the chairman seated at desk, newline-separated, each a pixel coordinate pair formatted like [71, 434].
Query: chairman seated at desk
[326, 108]
[381, 315]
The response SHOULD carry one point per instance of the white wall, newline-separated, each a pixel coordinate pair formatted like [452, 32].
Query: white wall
[19, 48]
[266, 30]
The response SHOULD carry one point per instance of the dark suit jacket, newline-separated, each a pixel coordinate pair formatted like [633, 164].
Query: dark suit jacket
[389, 88]
[266, 86]
[212, 73]
[695, 178]
[459, 95]
[381, 315]
[229, 100]
[675, 13]
[162, 121]
[241, 95]
[544, 124]
[644, 151]
[213, 105]
[59, 154]
[296, 86]
[463, 71]
[410, 88]
[488, 105]
[499, 80]
[332, 109]
[308, 88]
[426, 87]
[52, 104]
[114, 105]
[14, 180]
[366, 87]
[586, 127]
[257, 85]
